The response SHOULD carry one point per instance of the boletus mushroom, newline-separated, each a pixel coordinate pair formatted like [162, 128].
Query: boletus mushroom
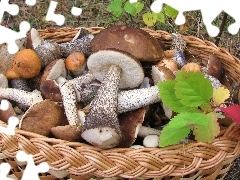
[115, 70]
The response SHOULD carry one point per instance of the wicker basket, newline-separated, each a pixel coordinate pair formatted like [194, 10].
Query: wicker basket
[81, 161]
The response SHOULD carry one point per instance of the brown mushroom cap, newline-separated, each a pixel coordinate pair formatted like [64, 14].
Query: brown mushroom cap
[68, 133]
[6, 114]
[129, 39]
[130, 124]
[191, 66]
[168, 63]
[161, 73]
[41, 117]
[214, 67]
[26, 64]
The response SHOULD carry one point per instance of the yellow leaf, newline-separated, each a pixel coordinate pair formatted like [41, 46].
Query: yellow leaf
[220, 95]
[150, 18]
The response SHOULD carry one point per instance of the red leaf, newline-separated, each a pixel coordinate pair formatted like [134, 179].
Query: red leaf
[233, 111]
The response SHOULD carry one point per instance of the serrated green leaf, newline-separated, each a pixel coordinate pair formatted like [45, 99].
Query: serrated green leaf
[150, 18]
[207, 132]
[192, 89]
[178, 128]
[170, 11]
[204, 126]
[161, 17]
[133, 8]
[115, 7]
[169, 98]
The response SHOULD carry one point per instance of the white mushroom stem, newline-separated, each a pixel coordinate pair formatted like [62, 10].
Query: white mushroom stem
[101, 126]
[137, 98]
[21, 96]
[69, 97]
[134, 99]
[145, 131]
[69, 102]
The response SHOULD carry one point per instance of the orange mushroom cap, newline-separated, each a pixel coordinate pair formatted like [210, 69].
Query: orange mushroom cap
[26, 64]
[75, 61]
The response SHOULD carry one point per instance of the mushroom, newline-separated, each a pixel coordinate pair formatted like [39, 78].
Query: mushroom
[179, 45]
[115, 70]
[5, 114]
[76, 63]
[130, 124]
[3, 81]
[21, 84]
[48, 51]
[33, 39]
[191, 66]
[26, 64]
[135, 41]
[72, 131]
[53, 74]
[214, 67]
[81, 43]
[168, 63]
[21, 96]
[129, 100]
[151, 141]
[6, 58]
[161, 73]
[41, 117]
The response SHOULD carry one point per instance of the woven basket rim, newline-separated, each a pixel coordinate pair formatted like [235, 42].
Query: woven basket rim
[83, 159]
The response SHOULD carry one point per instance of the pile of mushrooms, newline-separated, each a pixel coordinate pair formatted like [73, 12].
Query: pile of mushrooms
[95, 88]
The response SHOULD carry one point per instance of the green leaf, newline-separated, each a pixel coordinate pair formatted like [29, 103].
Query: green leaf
[115, 7]
[161, 17]
[169, 98]
[178, 128]
[170, 11]
[193, 89]
[204, 126]
[150, 18]
[133, 8]
[207, 132]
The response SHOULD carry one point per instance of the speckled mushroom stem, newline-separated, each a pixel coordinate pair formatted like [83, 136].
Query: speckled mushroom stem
[133, 99]
[82, 44]
[20, 96]
[69, 97]
[103, 108]
[69, 103]
[21, 84]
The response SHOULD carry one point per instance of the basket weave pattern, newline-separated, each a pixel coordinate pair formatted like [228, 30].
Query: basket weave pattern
[82, 161]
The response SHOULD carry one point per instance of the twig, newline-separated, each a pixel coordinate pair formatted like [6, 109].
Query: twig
[224, 20]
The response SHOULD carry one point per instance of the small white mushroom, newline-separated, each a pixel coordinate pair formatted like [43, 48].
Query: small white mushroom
[151, 141]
